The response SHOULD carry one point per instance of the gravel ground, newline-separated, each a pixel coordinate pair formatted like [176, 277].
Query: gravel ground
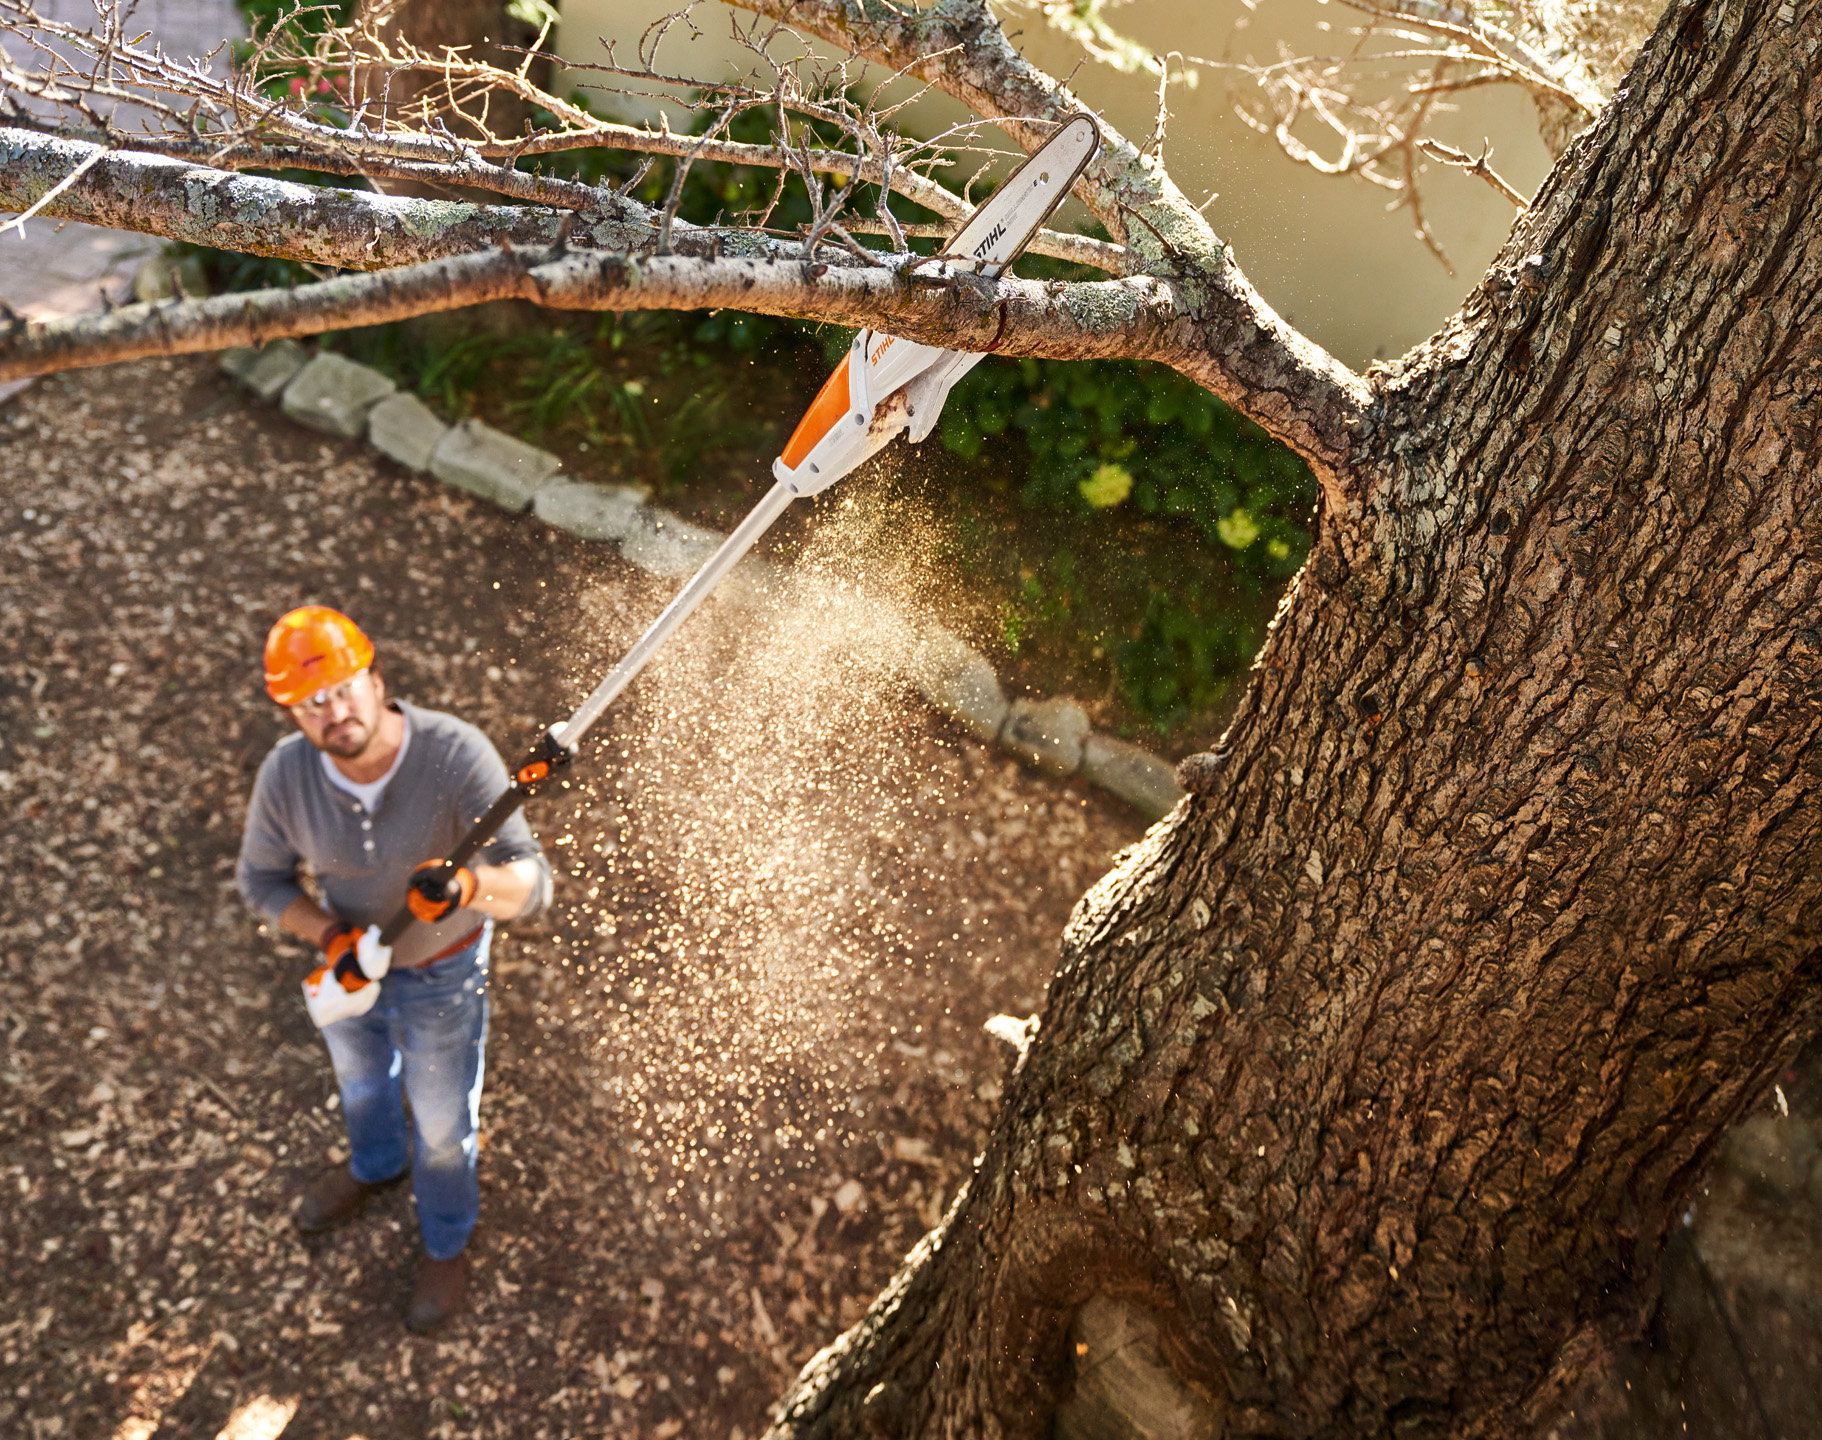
[731, 1079]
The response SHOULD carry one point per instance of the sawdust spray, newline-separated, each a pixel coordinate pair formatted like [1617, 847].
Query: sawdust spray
[747, 870]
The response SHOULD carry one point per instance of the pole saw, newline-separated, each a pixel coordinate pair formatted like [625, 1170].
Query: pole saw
[884, 385]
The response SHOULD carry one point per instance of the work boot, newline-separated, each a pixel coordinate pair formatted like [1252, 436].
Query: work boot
[334, 1196]
[438, 1294]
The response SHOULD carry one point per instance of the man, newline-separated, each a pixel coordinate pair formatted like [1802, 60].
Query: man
[366, 794]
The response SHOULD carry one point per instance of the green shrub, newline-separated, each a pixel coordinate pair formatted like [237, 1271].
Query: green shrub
[1100, 433]
[1187, 653]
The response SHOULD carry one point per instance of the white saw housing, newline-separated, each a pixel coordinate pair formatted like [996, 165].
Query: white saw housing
[884, 384]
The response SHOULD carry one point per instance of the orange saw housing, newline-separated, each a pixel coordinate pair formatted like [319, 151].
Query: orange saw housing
[830, 404]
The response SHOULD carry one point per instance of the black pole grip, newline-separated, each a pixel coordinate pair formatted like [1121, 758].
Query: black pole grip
[478, 835]
[532, 772]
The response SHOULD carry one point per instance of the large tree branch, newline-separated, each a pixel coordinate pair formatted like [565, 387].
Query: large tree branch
[958, 47]
[1266, 369]
[321, 225]
[1212, 329]
[263, 132]
[117, 201]
[350, 229]
[1141, 318]
[930, 302]
[1222, 332]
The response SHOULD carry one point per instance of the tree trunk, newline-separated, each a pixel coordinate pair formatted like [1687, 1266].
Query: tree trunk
[1373, 1079]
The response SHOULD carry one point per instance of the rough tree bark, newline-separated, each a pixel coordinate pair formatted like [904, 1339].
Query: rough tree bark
[1373, 1078]
[1377, 1073]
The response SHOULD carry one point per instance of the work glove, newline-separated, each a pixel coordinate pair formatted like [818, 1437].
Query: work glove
[347, 982]
[342, 940]
[439, 889]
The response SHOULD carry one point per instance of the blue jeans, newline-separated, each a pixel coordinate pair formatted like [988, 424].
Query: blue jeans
[425, 1038]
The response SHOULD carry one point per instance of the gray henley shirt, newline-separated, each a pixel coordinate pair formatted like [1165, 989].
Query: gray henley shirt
[448, 775]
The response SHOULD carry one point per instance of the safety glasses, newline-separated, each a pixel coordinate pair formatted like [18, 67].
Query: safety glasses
[319, 703]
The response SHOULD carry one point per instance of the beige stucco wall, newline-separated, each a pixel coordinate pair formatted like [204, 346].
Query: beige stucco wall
[1324, 251]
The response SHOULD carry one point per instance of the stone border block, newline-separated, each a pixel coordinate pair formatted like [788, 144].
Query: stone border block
[334, 394]
[588, 511]
[1137, 776]
[664, 544]
[267, 370]
[403, 428]
[1049, 734]
[957, 680]
[483, 461]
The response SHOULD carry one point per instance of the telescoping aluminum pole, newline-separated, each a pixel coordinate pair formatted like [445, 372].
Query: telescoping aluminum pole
[884, 385]
[559, 743]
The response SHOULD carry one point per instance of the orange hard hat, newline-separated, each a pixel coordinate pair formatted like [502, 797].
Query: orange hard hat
[312, 649]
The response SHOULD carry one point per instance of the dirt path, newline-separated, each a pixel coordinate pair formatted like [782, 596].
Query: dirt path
[730, 1081]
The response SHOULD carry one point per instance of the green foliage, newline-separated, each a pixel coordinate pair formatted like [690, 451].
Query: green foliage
[1108, 486]
[535, 13]
[642, 380]
[294, 29]
[232, 270]
[263, 15]
[1102, 438]
[1101, 433]
[1187, 652]
[1052, 595]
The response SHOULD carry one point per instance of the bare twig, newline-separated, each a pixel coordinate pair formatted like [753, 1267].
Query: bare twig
[1172, 250]
[679, 175]
[1362, 111]
[1155, 144]
[884, 211]
[639, 173]
[1474, 165]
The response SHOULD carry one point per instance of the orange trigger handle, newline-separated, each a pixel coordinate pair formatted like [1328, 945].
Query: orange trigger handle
[550, 755]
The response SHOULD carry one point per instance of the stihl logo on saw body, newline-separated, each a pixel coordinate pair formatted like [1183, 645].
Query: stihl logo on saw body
[992, 236]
